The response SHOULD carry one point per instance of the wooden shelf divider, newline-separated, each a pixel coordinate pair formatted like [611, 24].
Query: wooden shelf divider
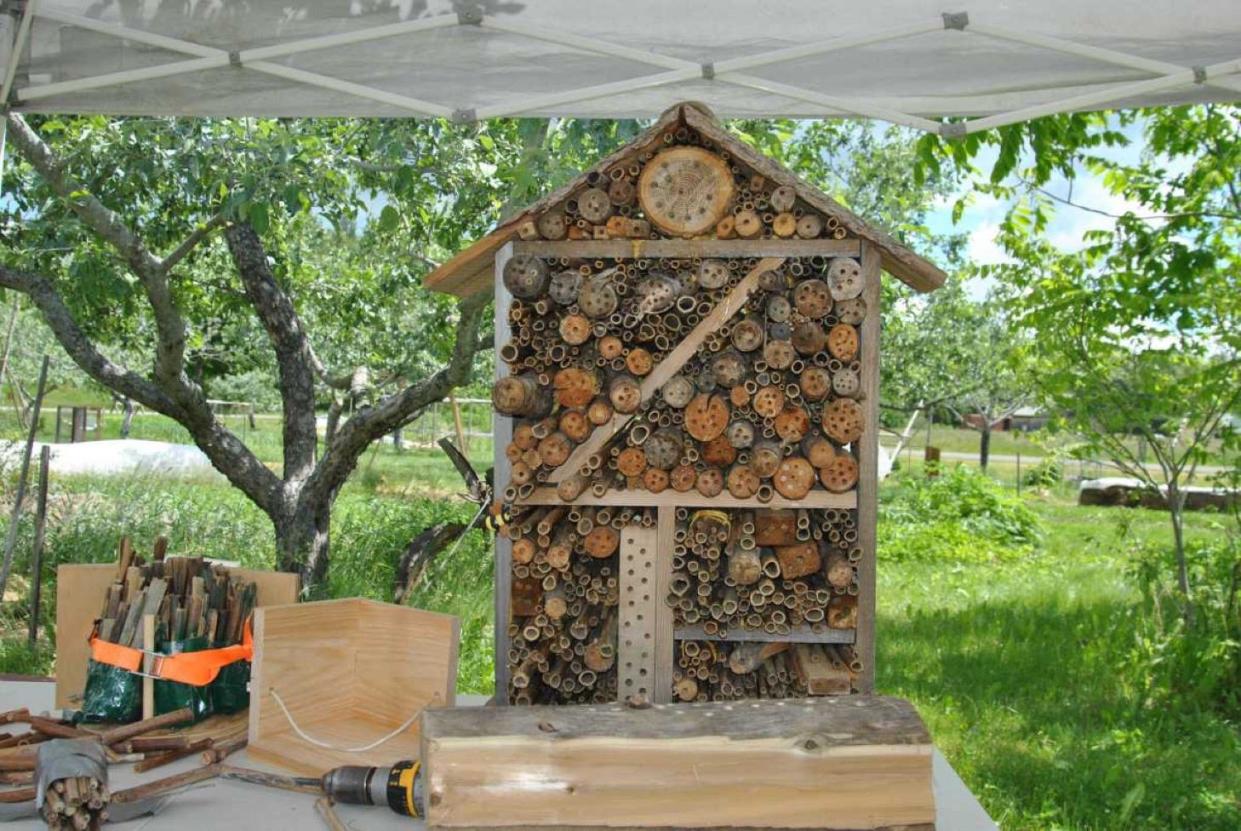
[800, 634]
[816, 499]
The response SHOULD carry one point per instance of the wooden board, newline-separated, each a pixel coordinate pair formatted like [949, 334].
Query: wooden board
[816, 498]
[625, 249]
[638, 608]
[502, 436]
[665, 641]
[855, 762]
[732, 303]
[800, 634]
[80, 591]
[349, 671]
[868, 469]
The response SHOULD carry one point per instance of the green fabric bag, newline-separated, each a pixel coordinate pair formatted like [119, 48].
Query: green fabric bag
[112, 694]
[170, 695]
[230, 691]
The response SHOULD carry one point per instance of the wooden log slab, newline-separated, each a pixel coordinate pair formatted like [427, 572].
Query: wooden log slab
[856, 762]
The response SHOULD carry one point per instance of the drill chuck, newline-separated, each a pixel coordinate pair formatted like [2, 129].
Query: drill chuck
[399, 787]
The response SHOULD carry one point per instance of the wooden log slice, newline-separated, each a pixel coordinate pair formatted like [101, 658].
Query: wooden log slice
[555, 449]
[574, 329]
[524, 550]
[852, 312]
[610, 347]
[815, 383]
[747, 224]
[683, 478]
[843, 420]
[844, 278]
[775, 528]
[743, 482]
[601, 542]
[597, 298]
[639, 361]
[840, 474]
[779, 354]
[739, 396]
[710, 482]
[521, 395]
[726, 228]
[564, 286]
[664, 448]
[553, 225]
[846, 383]
[677, 392]
[773, 280]
[575, 386]
[560, 552]
[778, 308]
[528, 230]
[572, 487]
[575, 425]
[798, 560]
[706, 416]
[719, 452]
[765, 458]
[685, 688]
[747, 335]
[621, 192]
[782, 198]
[812, 298]
[685, 191]
[525, 276]
[842, 342]
[784, 225]
[655, 480]
[523, 436]
[656, 292]
[768, 401]
[712, 274]
[739, 433]
[792, 424]
[625, 394]
[745, 567]
[631, 461]
[520, 473]
[809, 337]
[594, 205]
[818, 451]
[599, 411]
[838, 571]
[809, 226]
[729, 369]
[794, 478]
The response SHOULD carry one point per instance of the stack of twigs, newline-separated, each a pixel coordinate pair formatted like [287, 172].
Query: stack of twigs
[78, 802]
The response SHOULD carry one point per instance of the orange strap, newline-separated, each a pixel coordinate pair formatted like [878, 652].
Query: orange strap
[197, 669]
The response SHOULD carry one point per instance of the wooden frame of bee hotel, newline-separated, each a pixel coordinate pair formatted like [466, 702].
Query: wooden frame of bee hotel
[686, 427]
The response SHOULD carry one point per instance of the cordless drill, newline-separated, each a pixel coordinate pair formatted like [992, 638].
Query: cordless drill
[399, 787]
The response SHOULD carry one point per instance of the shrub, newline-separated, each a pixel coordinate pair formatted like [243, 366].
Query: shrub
[1197, 662]
[1046, 474]
[961, 516]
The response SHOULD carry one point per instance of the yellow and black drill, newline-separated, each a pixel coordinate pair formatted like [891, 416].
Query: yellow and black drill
[399, 787]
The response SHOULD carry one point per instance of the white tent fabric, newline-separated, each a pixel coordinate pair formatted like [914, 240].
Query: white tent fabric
[908, 61]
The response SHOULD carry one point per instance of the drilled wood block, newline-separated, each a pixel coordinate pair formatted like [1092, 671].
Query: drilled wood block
[639, 606]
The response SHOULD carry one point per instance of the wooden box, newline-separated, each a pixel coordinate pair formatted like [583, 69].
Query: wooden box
[854, 763]
[80, 592]
[350, 672]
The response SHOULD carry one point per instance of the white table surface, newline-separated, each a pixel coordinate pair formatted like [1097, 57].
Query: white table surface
[223, 805]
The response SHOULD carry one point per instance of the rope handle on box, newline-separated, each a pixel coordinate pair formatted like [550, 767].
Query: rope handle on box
[362, 749]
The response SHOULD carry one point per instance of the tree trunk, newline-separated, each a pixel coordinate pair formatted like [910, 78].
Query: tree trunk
[302, 542]
[984, 444]
[1176, 510]
[128, 420]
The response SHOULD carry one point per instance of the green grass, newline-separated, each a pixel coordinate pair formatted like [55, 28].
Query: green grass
[1020, 666]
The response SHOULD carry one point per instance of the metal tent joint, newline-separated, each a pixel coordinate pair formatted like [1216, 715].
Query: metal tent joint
[956, 20]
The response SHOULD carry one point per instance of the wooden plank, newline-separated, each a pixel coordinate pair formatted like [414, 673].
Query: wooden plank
[80, 593]
[799, 634]
[820, 675]
[502, 436]
[638, 608]
[349, 671]
[732, 303]
[839, 763]
[632, 249]
[816, 498]
[665, 642]
[868, 468]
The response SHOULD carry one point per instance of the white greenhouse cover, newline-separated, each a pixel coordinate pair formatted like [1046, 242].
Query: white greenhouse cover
[908, 61]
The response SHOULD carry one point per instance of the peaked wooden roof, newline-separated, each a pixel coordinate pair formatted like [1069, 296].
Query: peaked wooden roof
[471, 271]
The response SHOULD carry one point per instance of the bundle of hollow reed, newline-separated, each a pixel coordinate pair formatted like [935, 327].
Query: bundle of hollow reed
[716, 671]
[565, 588]
[78, 802]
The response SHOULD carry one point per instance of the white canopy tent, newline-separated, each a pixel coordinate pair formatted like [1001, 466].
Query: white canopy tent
[912, 62]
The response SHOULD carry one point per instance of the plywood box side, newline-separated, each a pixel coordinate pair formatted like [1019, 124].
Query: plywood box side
[423, 644]
[80, 592]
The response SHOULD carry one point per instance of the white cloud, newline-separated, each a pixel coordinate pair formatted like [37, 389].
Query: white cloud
[982, 247]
